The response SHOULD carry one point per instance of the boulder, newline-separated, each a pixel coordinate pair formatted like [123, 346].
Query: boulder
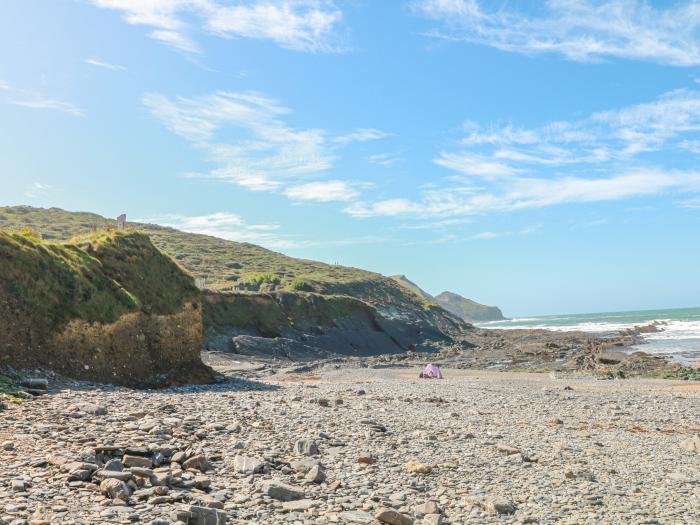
[392, 517]
[247, 465]
[282, 492]
[115, 489]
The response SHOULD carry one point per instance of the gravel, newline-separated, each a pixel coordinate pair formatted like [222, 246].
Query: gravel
[356, 446]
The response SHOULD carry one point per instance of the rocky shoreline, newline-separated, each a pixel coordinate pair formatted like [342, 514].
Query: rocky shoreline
[522, 430]
[352, 445]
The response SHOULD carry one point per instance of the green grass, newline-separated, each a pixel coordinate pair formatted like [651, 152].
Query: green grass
[225, 264]
[96, 278]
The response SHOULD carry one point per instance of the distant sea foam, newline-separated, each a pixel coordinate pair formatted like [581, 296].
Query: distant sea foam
[678, 339]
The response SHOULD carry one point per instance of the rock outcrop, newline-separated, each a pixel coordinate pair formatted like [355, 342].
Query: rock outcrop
[109, 308]
[469, 310]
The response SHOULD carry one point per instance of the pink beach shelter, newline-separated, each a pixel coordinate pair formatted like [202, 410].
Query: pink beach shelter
[431, 371]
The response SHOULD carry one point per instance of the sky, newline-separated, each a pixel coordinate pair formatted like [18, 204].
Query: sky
[539, 156]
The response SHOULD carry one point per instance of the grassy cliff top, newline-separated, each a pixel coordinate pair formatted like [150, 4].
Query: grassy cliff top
[225, 264]
[96, 278]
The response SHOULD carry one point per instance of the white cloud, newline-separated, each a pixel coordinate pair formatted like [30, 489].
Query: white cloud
[246, 135]
[4, 86]
[325, 191]
[104, 65]
[671, 121]
[260, 150]
[300, 25]
[229, 226]
[469, 164]
[580, 30]
[528, 193]
[361, 135]
[37, 190]
[233, 227]
[40, 102]
[385, 159]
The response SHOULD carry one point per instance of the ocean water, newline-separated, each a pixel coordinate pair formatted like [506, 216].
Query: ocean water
[679, 338]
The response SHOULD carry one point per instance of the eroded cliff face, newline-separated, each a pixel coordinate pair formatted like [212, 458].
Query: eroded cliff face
[307, 325]
[109, 308]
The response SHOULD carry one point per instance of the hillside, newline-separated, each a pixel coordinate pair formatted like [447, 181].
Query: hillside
[467, 309]
[233, 267]
[107, 307]
[417, 290]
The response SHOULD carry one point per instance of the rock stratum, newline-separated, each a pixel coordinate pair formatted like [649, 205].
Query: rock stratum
[109, 307]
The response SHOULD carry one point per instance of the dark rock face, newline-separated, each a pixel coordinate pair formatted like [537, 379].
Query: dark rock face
[309, 326]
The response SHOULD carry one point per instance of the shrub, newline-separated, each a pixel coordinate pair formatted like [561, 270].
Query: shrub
[261, 278]
[298, 285]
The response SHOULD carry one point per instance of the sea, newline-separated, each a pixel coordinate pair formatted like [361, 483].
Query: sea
[678, 338]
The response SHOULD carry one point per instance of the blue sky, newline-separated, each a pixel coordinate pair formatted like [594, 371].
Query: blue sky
[540, 156]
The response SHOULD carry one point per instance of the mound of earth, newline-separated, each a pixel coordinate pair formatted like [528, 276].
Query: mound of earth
[108, 307]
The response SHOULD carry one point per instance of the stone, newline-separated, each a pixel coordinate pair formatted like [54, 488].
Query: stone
[18, 485]
[202, 482]
[692, 444]
[115, 489]
[8, 446]
[281, 491]
[366, 458]
[306, 447]
[304, 465]
[247, 465]
[432, 519]
[392, 517]
[413, 467]
[507, 449]
[429, 507]
[114, 465]
[491, 504]
[316, 474]
[356, 516]
[196, 515]
[298, 505]
[137, 461]
[198, 462]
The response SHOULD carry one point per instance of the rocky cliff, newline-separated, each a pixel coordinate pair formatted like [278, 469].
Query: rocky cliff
[234, 270]
[467, 309]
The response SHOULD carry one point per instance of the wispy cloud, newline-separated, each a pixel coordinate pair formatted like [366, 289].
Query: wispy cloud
[385, 159]
[611, 155]
[262, 152]
[249, 139]
[580, 30]
[300, 25]
[233, 227]
[38, 190]
[324, 191]
[104, 65]
[4, 86]
[41, 102]
[361, 135]
[528, 193]
[229, 226]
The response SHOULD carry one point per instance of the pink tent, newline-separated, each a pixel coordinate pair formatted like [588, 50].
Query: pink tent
[431, 371]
